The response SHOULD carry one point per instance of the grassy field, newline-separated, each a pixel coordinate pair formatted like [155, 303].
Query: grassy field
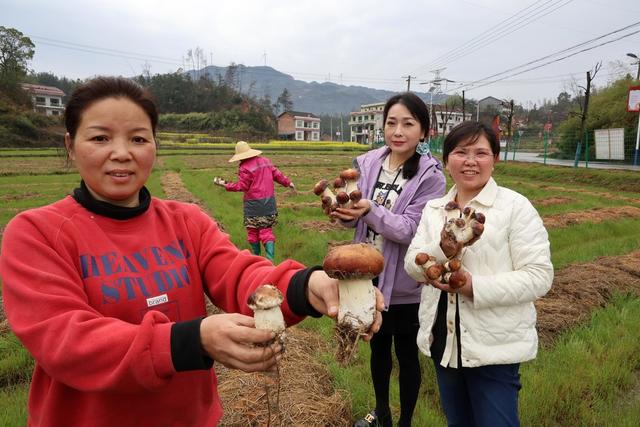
[589, 376]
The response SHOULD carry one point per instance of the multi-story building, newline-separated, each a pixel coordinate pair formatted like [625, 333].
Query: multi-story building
[446, 119]
[366, 124]
[298, 126]
[367, 127]
[45, 99]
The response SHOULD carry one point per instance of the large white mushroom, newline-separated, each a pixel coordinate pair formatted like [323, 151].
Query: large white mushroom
[354, 266]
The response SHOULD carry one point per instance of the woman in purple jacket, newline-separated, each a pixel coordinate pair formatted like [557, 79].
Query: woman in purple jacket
[256, 175]
[396, 182]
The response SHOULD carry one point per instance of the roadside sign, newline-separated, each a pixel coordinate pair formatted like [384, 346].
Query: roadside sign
[633, 100]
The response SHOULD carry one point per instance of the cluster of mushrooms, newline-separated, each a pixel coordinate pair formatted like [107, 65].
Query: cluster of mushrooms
[461, 229]
[345, 191]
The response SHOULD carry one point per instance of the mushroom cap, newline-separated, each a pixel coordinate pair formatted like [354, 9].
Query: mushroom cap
[422, 258]
[355, 195]
[320, 186]
[265, 297]
[451, 206]
[350, 174]
[342, 197]
[339, 183]
[355, 261]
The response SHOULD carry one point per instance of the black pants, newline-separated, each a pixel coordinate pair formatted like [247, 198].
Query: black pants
[399, 326]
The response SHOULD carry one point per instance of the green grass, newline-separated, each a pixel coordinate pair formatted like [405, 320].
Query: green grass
[584, 379]
[13, 405]
[585, 242]
[595, 369]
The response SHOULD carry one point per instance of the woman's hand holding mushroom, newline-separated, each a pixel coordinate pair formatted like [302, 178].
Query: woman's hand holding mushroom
[466, 289]
[232, 339]
[358, 209]
[323, 295]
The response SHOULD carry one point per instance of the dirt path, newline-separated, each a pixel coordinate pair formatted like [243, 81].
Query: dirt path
[594, 215]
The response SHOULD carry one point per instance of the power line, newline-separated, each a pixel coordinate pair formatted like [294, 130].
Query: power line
[505, 31]
[544, 64]
[498, 31]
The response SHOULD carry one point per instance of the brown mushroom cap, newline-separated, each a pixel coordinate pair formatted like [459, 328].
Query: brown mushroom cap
[350, 174]
[457, 280]
[451, 206]
[342, 197]
[339, 183]
[355, 261]
[422, 258]
[355, 196]
[265, 297]
[320, 186]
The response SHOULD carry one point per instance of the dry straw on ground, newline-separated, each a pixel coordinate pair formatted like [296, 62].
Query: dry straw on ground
[580, 288]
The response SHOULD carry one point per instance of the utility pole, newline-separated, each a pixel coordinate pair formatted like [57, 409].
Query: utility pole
[583, 115]
[341, 130]
[633, 55]
[463, 110]
[435, 88]
[509, 123]
[409, 77]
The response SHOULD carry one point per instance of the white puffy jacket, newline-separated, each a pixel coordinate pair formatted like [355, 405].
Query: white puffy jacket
[510, 266]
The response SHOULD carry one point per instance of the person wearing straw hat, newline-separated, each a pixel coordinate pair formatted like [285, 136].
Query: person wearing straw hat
[256, 175]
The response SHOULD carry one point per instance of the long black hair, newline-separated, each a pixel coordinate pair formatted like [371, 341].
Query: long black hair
[420, 112]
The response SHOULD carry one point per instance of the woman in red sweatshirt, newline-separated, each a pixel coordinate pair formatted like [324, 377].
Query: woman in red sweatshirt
[106, 287]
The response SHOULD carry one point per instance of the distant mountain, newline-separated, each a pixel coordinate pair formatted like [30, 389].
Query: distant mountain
[314, 97]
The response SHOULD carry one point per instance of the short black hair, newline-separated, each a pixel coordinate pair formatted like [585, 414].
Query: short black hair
[469, 131]
[101, 88]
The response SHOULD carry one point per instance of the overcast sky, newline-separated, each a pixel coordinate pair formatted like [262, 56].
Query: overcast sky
[368, 43]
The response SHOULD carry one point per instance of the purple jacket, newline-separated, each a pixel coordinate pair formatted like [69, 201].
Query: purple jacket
[398, 225]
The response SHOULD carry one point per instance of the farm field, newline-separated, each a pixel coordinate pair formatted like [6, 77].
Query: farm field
[588, 368]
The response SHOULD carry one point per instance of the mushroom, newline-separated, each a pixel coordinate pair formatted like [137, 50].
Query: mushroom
[465, 227]
[342, 199]
[354, 266]
[430, 267]
[339, 185]
[219, 181]
[448, 272]
[265, 302]
[327, 196]
[350, 177]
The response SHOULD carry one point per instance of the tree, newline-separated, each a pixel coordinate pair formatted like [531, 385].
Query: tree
[284, 100]
[16, 50]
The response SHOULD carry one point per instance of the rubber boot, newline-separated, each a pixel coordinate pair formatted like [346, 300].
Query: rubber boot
[255, 248]
[270, 249]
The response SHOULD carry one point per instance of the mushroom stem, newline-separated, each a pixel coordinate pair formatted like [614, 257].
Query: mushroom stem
[270, 319]
[357, 303]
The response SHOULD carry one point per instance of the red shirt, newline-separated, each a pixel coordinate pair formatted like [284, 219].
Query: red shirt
[93, 299]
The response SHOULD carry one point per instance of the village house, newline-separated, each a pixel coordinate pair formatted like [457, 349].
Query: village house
[45, 99]
[298, 126]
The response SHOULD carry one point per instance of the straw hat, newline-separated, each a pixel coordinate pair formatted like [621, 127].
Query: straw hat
[243, 151]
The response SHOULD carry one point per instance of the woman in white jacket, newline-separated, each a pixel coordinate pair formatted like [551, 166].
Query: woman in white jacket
[477, 335]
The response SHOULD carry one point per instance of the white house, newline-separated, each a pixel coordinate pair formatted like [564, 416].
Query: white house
[298, 126]
[45, 99]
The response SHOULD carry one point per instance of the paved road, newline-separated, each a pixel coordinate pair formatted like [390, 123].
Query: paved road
[536, 158]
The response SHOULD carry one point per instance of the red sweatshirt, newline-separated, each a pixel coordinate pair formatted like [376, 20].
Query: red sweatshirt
[94, 299]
